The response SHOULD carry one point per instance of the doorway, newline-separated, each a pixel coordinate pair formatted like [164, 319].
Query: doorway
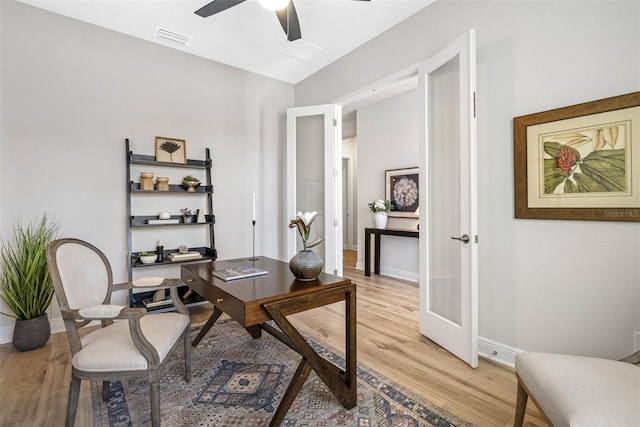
[465, 343]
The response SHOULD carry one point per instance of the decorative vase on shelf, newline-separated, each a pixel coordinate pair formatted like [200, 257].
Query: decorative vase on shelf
[380, 219]
[146, 181]
[306, 265]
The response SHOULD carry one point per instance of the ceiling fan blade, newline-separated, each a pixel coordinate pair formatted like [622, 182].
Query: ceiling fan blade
[216, 6]
[288, 18]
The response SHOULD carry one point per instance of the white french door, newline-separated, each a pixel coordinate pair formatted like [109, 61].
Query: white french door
[448, 225]
[314, 178]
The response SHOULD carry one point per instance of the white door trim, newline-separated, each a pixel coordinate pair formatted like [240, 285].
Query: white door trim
[332, 184]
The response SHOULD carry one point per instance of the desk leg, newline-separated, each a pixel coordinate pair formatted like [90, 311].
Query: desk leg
[367, 253]
[212, 319]
[376, 265]
[343, 384]
[303, 371]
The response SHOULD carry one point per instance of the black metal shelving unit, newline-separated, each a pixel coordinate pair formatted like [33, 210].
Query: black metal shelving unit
[140, 221]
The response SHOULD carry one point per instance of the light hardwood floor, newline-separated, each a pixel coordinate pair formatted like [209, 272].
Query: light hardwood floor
[34, 385]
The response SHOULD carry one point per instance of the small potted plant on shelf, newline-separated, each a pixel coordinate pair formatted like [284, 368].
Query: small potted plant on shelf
[187, 216]
[147, 257]
[190, 183]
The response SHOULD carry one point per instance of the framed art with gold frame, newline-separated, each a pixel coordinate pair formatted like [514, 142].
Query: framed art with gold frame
[171, 150]
[580, 162]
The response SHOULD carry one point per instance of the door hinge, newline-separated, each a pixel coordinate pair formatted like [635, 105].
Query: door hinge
[476, 238]
[474, 105]
[335, 122]
[335, 173]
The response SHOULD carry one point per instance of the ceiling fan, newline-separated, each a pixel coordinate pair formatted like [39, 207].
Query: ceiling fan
[285, 10]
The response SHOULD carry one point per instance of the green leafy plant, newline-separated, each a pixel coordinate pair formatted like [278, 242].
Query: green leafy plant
[25, 281]
[190, 178]
[144, 253]
[380, 206]
[186, 212]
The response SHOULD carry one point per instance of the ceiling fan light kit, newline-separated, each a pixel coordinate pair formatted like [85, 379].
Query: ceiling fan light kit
[274, 4]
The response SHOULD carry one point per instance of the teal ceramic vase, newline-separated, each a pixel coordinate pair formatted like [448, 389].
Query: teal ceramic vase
[306, 265]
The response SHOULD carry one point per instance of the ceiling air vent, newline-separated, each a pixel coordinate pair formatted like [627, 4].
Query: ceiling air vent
[302, 50]
[163, 33]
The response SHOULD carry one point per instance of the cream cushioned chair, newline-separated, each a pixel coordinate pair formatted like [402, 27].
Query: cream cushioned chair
[579, 391]
[130, 343]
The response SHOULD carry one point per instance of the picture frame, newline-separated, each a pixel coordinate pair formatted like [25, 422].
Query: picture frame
[171, 150]
[580, 162]
[402, 189]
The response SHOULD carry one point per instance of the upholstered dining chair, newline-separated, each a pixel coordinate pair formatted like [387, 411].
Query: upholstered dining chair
[130, 343]
[579, 391]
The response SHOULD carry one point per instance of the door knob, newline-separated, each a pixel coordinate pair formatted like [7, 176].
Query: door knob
[464, 238]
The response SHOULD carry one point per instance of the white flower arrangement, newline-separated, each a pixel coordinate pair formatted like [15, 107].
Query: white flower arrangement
[380, 206]
[303, 222]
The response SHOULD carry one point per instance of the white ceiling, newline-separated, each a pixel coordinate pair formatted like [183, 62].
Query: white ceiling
[248, 36]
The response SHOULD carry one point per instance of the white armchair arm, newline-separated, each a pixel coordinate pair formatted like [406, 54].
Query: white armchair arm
[104, 311]
[149, 282]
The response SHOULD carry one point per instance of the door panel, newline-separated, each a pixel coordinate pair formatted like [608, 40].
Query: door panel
[448, 265]
[444, 218]
[314, 183]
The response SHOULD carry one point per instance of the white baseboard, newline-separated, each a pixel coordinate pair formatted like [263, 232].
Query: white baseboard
[392, 272]
[498, 352]
[6, 334]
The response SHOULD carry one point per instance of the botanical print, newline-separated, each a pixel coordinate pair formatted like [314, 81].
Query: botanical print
[171, 150]
[169, 147]
[580, 162]
[587, 160]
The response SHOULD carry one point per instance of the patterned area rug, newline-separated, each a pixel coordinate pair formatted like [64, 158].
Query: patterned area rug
[238, 382]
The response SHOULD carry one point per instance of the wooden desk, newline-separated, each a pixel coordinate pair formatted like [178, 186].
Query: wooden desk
[377, 232]
[254, 301]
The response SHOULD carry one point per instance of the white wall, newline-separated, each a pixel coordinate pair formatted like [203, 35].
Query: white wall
[387, 139]
[562, 286]
[71, 93]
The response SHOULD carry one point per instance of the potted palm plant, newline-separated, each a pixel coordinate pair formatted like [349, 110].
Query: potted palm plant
[25, 281]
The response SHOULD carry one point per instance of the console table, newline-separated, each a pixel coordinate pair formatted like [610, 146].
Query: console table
[377, 232]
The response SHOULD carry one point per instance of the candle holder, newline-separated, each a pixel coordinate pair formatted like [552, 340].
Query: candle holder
[253, 256]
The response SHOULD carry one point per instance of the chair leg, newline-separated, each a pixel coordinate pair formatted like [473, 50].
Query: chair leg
[187, 356]
[155, 402]
[521, 405]
[72, 404]
[106, 391]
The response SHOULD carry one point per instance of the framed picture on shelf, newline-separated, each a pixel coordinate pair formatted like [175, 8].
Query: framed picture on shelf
[171, 150]
[402, 190]
[580, 162]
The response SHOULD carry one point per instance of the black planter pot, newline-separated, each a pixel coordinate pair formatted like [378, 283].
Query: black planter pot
[31, 334]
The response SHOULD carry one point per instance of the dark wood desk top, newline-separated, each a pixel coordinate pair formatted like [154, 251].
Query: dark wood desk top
[242, 299]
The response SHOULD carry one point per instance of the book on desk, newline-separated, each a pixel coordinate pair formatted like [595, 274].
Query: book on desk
[237, 273]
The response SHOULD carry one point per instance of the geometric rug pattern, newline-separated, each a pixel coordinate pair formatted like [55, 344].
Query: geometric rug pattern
[238, 381]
